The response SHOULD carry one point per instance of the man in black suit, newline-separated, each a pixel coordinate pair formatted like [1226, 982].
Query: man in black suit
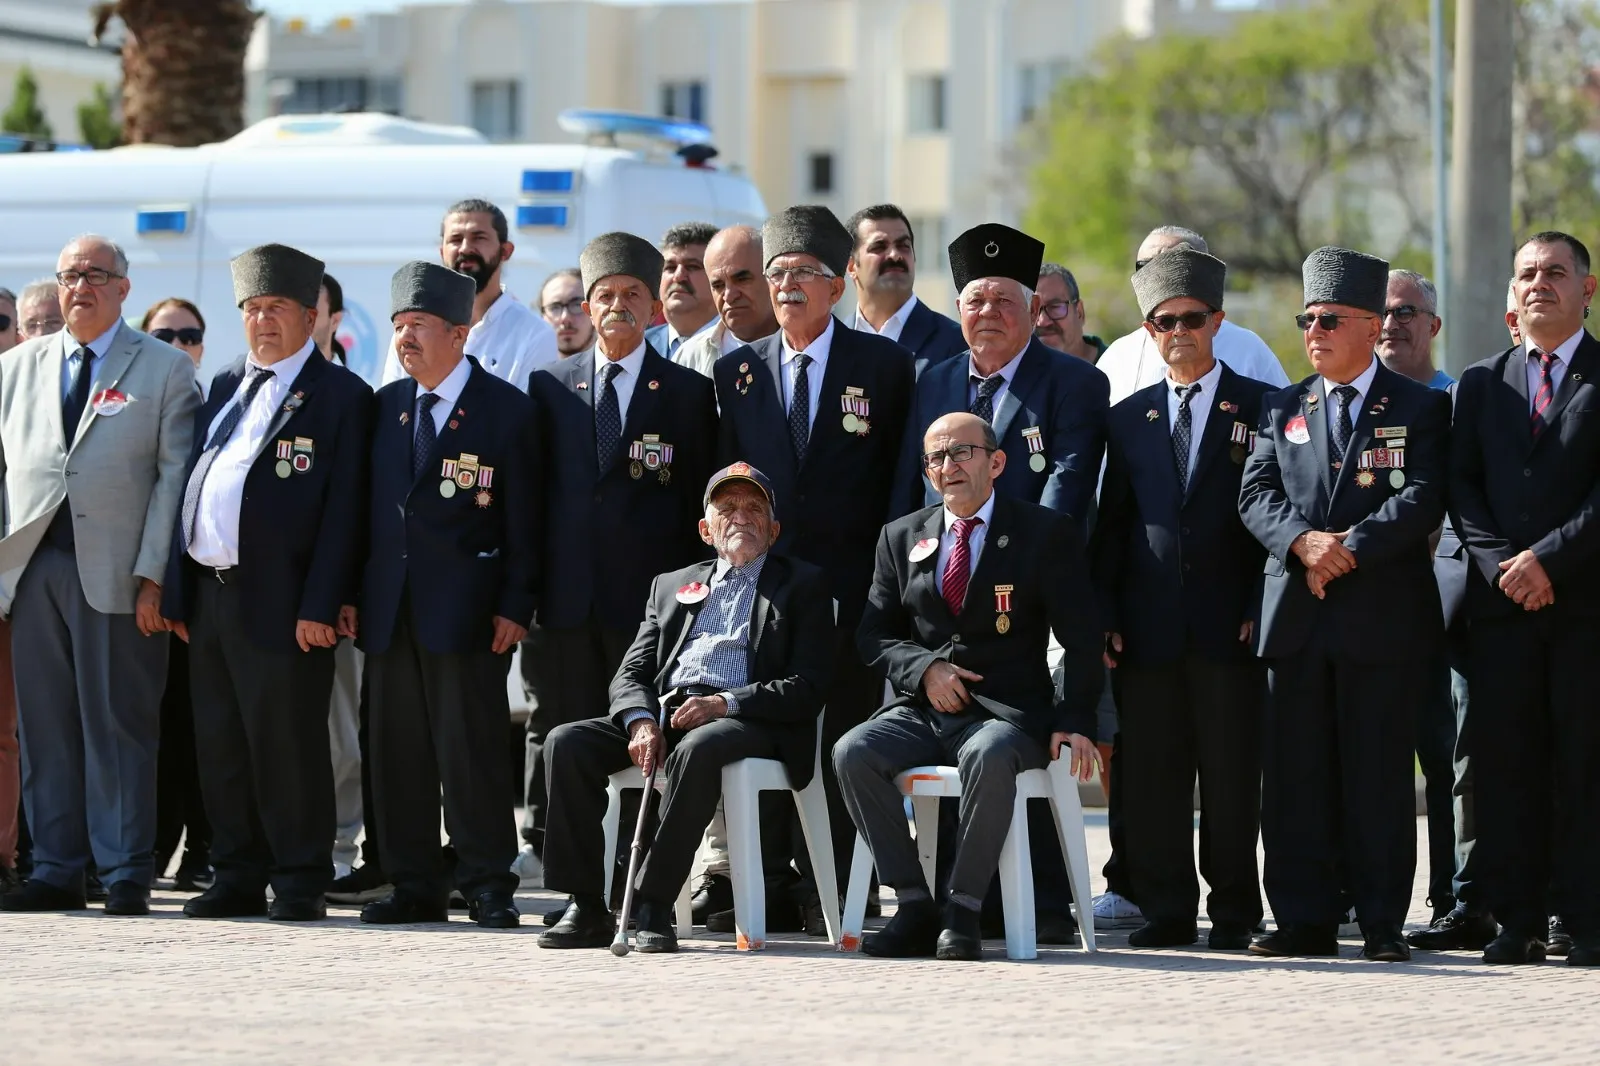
[964, 598]
[1176, 572]
[450, 586]
[883, 264]
[736, 650]
[265, 555]
[1524, 471]
[628, 438]
[820, 408]
[1344, 489]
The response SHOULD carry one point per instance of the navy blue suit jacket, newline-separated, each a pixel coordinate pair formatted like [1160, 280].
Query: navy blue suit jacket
[832, 506]
[1387, 609]
[465, 557]
[611, 533]
[931, 337]
[1175, 568]
[1510, 491]
[1063, 397]
[301, 536]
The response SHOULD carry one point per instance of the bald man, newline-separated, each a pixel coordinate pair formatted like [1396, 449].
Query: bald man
[740, 295]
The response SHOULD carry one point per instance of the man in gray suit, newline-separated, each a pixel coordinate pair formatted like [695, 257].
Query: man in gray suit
[95, 428]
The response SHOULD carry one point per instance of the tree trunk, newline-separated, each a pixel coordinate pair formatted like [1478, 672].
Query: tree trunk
[183, 69]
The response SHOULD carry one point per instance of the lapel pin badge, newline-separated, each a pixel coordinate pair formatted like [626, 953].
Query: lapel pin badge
[1152, 414]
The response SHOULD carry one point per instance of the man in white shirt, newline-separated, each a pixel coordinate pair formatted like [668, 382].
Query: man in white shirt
[685, 292]
[508, 338]
[739, 293]
[883, 265]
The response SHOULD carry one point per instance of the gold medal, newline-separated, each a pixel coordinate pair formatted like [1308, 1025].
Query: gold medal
[1236, 453]
[447, 489]
[283, 469]
[1002, 623]
[636, 470]
[1397, 478]
[1002, 604]
[1366, 479]
[1036, 463]
[665, 476]
[851, 423]
[483, 499]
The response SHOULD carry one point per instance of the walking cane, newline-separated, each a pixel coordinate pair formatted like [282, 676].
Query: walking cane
[620, 945]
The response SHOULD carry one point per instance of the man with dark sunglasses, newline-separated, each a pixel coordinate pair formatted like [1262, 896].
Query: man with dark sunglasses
[9, 336]
[1345, 489]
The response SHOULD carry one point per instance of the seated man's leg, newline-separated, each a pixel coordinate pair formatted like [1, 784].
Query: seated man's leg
[579, 759]
[990, 754]
[867, 759]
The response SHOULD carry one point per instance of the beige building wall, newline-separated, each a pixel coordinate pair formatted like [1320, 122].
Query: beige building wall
[50, 37]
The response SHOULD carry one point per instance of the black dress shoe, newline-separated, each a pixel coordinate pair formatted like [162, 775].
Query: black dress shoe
[913, 933]
[494, 910]
[93, 890]
[1584, 953]
[364, 884]
[1163, 933]
[1309, 940]
[961, 940]
[1457, 930]
[1509, 949]
[220, 901]
[712, 895]
[42, 896]
[1054, 929]
[8, 879]
[298, 909]
[397, 908]
[1228, 936]
[1559, 941]
[552, 917]
[1386, 945]
[127, 898]
[782, 917]
[655, 935]
[195, 876]
[586, 924]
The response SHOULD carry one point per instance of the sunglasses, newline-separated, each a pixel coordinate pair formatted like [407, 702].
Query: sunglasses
[1191, 320]
[1327, 320]
[1404, 313]
[188, 336]
[5, 322]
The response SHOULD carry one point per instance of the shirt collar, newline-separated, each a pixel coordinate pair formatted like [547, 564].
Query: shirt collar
[817, 349]
[750, 571]
[1208, 380]
[284, 370]
[449, 390]
[986, 513]
[1362, 382]
[99, 346]
[673, 334]
[1008, 371]
[630, 363]
[1564, 351]
[896, 320]
[496, 309]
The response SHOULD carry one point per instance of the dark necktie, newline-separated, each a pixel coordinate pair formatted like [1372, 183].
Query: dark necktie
[607, 417]
[673, 345]
[426, 436]
[77, 397]
[1183, 431]
[255, 377]
[1547, 391]
[800, 408]
[1342, 427]
[958, 568]
[983, 406]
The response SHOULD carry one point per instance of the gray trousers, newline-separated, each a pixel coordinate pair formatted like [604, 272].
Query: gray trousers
[89, 719]
[344, 740]
[989, 752]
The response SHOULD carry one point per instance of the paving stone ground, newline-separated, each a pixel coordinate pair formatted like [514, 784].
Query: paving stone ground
[87, 988]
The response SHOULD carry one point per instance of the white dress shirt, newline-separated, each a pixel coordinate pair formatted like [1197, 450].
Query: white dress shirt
[1200, 406]
[1558, 370]
[975, 539]
[676, 340]
[624, 382]
[1005, 373]
[510, 341]
[895, 324]
[1133, 362]
[216, 523]
[1362, 384]
[818, 351]
[97, 348]
[449, 391]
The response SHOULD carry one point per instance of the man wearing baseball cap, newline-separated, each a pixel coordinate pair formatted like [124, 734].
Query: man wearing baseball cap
[731, 662]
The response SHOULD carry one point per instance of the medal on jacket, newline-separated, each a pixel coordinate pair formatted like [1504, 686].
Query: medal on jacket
[923, 548]
[1002, 607]
[1295, 431]
[1243, 438]
[856, 407]
[650, 454]
[301, 453]
[693, 592]
[1035, 438]
[485, 479]
[285, 450]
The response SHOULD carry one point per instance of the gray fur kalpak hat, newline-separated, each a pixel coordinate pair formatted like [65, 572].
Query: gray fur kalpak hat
[1341, 276]
[434, 290]
[808, 229]
[619, 253]
[276, 270]
[1176, 272]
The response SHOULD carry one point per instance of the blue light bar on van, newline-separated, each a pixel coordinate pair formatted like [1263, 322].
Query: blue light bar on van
[606, 126]
[173, 220]
[541, 216]
[547, 180]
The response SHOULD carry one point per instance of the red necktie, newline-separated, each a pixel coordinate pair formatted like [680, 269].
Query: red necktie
[1546, 393]
[957, 569]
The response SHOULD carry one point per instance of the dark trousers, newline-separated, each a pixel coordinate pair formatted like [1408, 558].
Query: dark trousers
[566, 673]
[580, 758]
[1116, 869]
[439, 721]
[179, 804]
[371, 846]
[1338, 796]
[1466, 822]
[1538, 810]
[1193, 714]
[1436, 742]
[261, 737]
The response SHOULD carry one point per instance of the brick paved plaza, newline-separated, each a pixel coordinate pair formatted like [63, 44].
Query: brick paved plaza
[91, 989]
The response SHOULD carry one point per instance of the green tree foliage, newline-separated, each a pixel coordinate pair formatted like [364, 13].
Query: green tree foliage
[97, 125]
[24, 116]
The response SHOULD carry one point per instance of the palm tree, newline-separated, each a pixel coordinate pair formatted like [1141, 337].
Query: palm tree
[182, 68]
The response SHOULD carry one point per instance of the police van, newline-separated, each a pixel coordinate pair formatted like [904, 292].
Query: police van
[363, 192]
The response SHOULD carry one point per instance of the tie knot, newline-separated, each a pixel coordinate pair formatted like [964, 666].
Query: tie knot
[988, 386]
[802, 360]
[1545, 358]
[1187, 393]
[427, 400]
[610, 371]
[1346, 393]
[965, 526]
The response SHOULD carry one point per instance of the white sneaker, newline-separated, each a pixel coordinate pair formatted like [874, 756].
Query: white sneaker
[341, 869]
[1112, 911]
[528, 868]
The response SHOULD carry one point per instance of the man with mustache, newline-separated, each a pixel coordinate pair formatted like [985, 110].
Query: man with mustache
[739, 293]
[507, 337]
[628, 442]
[883, 263]
[561, 304]
[733, 657]
[1059, 322]
[685, 292]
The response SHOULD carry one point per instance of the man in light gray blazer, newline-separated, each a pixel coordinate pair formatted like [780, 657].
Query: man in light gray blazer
[95, 427]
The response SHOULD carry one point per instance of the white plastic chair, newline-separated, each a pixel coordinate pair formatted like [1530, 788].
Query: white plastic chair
[632, 777]
[926, 785]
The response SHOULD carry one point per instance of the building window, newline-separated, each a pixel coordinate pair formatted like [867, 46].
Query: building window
[822, 173]
[926, 112]
[495, 111]
[313, 95]
[929, 233]
[684, 99]
[1036, 83]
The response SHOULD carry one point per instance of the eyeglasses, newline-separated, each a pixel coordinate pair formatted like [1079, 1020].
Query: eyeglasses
[1191, 320]
[1327, 320]
[1404, 313]
[800, 275]
[957, 453]
[94, 276]
[38, 327]
[571, 307]
[1138, 264]
[1056, 310]
[188, 336]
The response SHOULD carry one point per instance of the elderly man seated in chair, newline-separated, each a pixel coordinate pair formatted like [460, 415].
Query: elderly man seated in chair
[964, 597]
[733, 654]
